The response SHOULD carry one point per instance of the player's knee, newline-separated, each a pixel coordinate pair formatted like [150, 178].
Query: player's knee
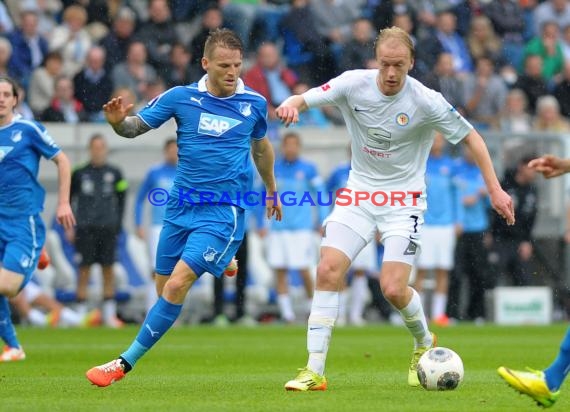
[395, 294]
[328, 274]
[9, 290]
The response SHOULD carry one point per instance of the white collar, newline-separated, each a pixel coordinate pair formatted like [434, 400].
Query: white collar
[240, 89]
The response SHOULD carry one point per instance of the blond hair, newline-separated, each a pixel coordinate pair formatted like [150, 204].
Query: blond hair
[222, 38]
[398, 34]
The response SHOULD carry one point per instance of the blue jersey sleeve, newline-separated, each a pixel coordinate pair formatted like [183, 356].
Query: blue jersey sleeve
[260, 128]
[141, 197]
[43, 142]
[160, 109]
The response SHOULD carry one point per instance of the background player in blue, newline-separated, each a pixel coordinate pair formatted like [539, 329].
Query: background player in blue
[221, 124]
[160, 177]
[544, 386]
[22, 232]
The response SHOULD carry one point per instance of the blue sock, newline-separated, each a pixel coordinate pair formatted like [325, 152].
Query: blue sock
[159, 319]
[7, 331]
[557, 371]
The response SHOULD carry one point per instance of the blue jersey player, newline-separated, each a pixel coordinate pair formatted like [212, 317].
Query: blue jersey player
[218, 120]
[22, 233]
[544, 385]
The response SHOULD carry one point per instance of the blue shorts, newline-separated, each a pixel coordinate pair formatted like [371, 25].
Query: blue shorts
[21, 242]
[205, 237]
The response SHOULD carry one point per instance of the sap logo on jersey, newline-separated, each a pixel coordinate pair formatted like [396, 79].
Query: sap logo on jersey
[213, 125]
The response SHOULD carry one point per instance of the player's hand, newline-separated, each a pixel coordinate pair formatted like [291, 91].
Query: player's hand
[273, 206]
[550, 166]
[115, 112]
[141, 232]
[64, 216]
[503, 205]
[287, 115]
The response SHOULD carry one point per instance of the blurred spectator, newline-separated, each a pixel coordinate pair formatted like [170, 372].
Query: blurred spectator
[93, 85]
[64, 107]
[513, 244]
[333, 22]
[470, 251]
[358, 52]
[384, 13]
[134, 73]
[29, 48]
[445, 38]
[549, 47]
[255, 21]
[42, 82]
[270, 78]
[116, 42]
[47, 11]
[160, 176]
[158, 34]
[443, 223]
[485, 94]
[180, 72]
[562, 91]
[304, 49]
[98, 193]
[71, 39]
[531, 81]
[483, 42]
[5, 56]
[290, 243]
[211, 19]
[153, 89]
[557, 11]
[508, 21]
[22, 108]
[548, 117]
[444, 80]
[514, 117]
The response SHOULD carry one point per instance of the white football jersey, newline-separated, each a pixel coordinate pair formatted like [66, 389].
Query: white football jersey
[391, 135]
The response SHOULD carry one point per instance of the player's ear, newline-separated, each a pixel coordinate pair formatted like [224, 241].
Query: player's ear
[205, 63]
[411, 65]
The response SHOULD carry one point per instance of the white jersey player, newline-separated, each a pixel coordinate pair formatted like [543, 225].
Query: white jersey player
[391, 119]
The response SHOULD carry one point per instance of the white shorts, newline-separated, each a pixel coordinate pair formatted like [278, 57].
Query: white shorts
[367, 259]
[153, 236]
[291, 249]
[438, 247]
[31, 291]
[398, 221]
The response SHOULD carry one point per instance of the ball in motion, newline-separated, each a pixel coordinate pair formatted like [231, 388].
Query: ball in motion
[440, 369]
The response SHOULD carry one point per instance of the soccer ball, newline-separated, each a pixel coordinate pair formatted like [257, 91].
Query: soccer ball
[440, 369]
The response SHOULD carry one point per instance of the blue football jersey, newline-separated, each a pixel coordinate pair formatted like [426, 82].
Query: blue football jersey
[22, 144]
[214, 139]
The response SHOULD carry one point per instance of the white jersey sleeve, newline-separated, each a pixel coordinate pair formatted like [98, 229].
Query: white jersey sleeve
[447, 120]
[331, 93]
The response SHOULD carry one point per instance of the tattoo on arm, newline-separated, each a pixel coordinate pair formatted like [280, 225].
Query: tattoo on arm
[131, 127]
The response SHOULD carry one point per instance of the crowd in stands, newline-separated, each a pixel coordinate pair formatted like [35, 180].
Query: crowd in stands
[494, 60]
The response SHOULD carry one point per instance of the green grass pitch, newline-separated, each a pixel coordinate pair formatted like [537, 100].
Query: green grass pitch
[244, 369]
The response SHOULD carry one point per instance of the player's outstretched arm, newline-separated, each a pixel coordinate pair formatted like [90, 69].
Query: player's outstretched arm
[500, 200]
[264, 159]
[288, 111]
[64, 214]
[117, 116]
[550, 166]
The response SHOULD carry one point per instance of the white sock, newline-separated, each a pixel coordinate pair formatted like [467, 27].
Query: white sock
[358, 291]
[321, 322]
[342, 298]
[37, 318]
[69, 317]
[109, 311]
[438, 305]
[285, 307]
[415, 321]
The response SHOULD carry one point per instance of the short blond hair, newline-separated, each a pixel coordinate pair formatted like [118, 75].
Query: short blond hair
[398, 34]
